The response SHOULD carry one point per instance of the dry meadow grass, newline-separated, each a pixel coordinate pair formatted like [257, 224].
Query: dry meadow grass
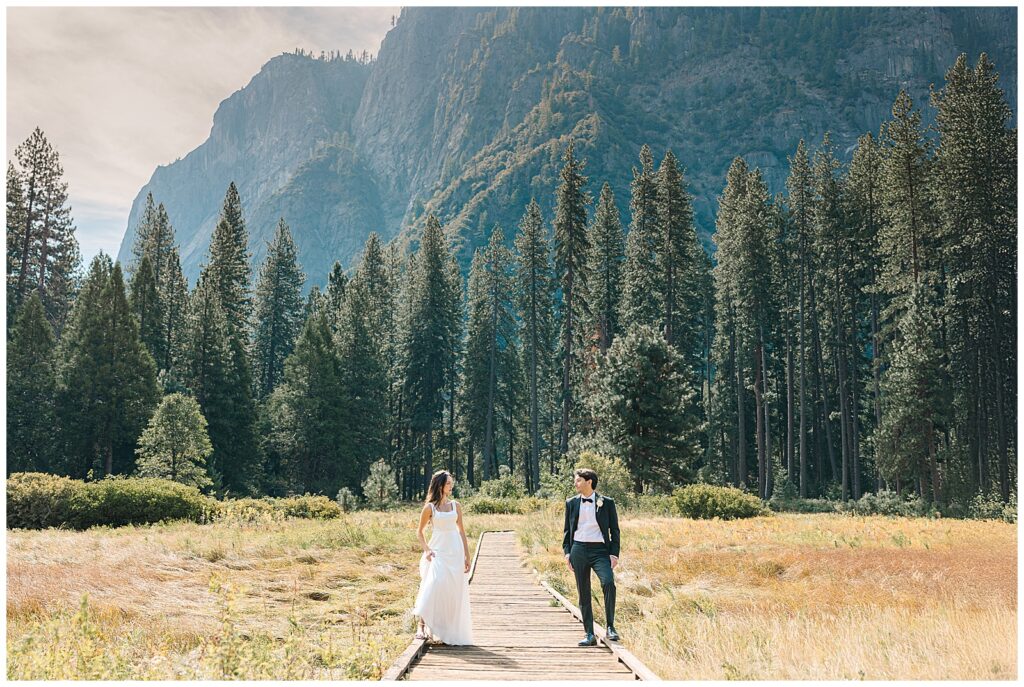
[820, 597]
[784, 597]
[285, 599]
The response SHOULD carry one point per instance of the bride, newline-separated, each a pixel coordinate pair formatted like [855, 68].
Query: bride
[443, 600]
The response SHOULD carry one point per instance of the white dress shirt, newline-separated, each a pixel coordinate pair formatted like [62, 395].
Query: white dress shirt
[587, 529]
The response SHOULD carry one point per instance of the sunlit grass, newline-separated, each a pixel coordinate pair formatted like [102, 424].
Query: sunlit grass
[286, 599]
[784, 597]
[795, 597]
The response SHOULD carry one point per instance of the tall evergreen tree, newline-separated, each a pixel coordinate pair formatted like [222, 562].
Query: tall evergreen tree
[975, 192]
[432, 329]
[45, 255]
[534, 290]
[309, 423]
[571, 249]
[677, 262]
[800, 185]
[640, 303]
[606, 244]
[144, 300]
[31, 391]
[228, 267]
[278, 310]
[641, 400]
[337, 282]
[364, 381]
[108, 381]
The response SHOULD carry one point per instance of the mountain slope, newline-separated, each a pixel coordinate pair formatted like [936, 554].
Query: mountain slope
[466, 111]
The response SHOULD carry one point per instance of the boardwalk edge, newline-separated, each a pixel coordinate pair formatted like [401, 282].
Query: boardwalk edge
[625, 656]
[419, 646]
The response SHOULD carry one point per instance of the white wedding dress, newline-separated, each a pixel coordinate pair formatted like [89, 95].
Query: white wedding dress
[443, 599]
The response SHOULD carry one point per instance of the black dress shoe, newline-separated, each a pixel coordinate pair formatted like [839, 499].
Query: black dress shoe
[589, 640]
[612, 634]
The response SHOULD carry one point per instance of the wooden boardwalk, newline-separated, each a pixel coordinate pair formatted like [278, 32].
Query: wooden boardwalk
[520, 629]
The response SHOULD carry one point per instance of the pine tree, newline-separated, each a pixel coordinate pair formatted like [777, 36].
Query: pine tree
[571, 249]
[233, 424]
[801, 196]
[535, 286]
[606, 244]
[309, 426]
[640, 302]
[174, 308]
[174, 444]
[641, 400]
[108, 380]
[975, 185]
[677, 262]
[45, 255]
[31, 391]
[228, 267]
[912, 391]
[432, 329]
[278, 310]
[337, 282]
[16, 216]
[144, 300]
[364, 381]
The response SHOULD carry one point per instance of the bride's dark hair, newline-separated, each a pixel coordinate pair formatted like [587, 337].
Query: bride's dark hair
[436, 488]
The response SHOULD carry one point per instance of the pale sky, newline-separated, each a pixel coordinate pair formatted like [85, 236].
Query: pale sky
[119, 91]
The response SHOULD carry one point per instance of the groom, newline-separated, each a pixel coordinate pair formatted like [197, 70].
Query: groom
[591, 542]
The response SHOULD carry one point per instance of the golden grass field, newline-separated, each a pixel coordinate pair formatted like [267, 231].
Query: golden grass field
[781, 597]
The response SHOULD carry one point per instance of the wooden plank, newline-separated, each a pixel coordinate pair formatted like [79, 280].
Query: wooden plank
[398, 669]
[521, 631]
[621, 652]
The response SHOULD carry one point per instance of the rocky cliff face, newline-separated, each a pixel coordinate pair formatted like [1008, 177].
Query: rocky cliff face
[466, 111]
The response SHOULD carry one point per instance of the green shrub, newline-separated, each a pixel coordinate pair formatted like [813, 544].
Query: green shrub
[487, 504]
[317, 507]
[654, 504]
[613, 478]
[36, 501]
[709, 501]
[346, 500]
[504, 487]
[991, 507]
[799, 505]
[886, 503]
[118, 501]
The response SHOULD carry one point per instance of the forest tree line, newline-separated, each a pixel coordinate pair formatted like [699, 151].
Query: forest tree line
[855, 333]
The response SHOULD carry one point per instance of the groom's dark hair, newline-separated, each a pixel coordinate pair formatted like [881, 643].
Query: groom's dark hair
[587, 473]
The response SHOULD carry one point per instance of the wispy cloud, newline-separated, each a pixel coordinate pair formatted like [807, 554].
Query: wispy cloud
[121, 90]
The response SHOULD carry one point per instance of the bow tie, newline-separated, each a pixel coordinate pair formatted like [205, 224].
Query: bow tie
[589, 500]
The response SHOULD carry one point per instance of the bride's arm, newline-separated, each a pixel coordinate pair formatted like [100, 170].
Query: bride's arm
[462, 533]
[424, 519]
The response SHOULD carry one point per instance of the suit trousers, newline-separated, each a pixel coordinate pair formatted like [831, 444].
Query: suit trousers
[584, 557]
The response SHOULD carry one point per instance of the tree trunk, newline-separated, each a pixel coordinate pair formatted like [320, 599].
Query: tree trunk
[803, 381]
[759, 426]
[823, 394]
[789, 404]
[768, 477]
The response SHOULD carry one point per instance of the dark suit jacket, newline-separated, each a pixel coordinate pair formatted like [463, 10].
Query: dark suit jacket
[607, 520]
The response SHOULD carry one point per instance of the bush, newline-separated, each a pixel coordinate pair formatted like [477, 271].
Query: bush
[307, 506]
[799, 505]
[613, 478]
[991, 507]
[346, 500]
[118, 501]
[380, 487]
[487, 505]
[504, 487]
[36, 501]
[654, 504]
[708, 501]
[886, 503]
